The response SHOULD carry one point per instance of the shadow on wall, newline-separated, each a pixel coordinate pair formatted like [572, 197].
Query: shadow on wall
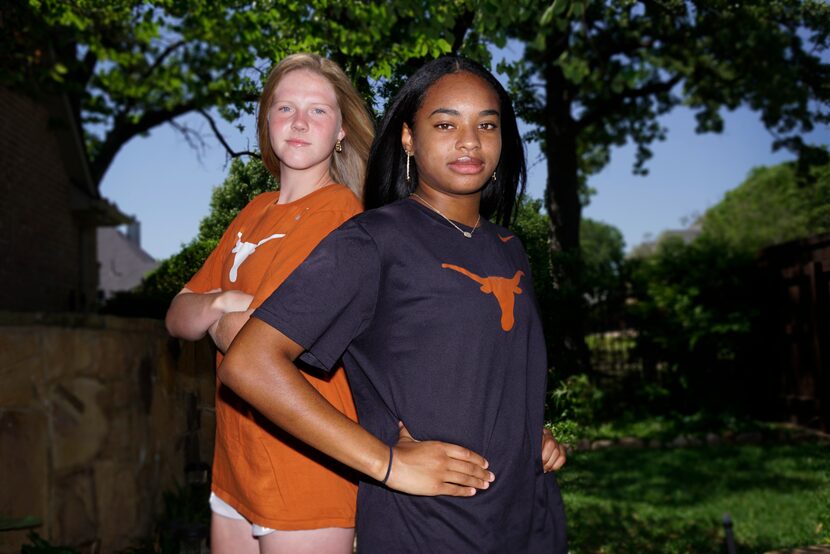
[98, 416]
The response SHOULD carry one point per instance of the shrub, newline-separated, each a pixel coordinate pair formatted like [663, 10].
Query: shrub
[577, 399]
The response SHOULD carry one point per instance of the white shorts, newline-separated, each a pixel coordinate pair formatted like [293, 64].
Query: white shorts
[222, 508]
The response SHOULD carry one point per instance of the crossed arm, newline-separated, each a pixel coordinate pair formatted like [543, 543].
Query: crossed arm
[221, 314]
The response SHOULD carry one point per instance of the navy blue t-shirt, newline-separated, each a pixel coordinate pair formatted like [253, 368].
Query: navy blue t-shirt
[443, 333]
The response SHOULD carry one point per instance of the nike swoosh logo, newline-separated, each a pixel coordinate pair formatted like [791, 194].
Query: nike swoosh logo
[507, 238]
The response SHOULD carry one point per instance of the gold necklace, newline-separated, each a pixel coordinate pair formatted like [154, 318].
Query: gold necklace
[467, 234]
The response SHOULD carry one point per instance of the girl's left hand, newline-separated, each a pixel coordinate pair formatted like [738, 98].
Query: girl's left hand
[554, 455]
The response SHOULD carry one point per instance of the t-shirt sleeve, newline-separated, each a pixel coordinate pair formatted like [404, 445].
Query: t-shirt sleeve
[330, 298]
[209, 276]
[293, 252]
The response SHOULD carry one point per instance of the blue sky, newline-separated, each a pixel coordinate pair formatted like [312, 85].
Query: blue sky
[163, 182]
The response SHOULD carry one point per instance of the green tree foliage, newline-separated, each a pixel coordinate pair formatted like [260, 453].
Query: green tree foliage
[771, 206]
[599, 74]
[595, 74]
[130, 66]
[531, 226]
[694, 309]
[602, 251]
[603, 256]
[574, 399]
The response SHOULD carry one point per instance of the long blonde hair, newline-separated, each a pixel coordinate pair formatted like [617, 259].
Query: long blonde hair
[347, 167]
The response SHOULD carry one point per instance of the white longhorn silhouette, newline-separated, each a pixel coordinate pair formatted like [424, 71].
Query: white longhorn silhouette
[245, 249]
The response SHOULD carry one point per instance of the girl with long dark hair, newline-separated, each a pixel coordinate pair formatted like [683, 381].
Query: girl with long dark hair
[430, 305]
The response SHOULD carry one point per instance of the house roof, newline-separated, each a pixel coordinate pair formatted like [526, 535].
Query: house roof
[122, 262]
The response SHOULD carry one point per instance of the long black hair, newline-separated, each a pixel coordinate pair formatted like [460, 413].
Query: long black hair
[386, 175]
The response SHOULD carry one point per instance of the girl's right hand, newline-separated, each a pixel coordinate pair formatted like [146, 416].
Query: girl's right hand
[432, 468]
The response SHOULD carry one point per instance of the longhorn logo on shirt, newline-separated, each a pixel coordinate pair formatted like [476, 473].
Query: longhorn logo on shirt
[244, 249]
[502, 288]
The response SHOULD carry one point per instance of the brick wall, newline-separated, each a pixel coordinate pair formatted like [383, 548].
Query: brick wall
[42, 246]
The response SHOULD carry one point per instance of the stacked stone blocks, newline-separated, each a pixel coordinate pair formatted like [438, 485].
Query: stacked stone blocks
[94, 425]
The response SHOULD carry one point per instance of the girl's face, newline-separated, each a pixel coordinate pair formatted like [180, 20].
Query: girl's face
[304, 120]
[456, 139]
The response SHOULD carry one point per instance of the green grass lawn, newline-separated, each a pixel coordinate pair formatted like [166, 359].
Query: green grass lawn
[671, 501]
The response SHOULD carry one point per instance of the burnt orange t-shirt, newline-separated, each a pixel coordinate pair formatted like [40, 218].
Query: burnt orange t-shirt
[268, 476]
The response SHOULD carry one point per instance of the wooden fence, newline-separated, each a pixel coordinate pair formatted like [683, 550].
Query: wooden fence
[794, 338]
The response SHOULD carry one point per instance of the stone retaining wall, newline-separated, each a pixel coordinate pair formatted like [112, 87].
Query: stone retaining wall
[98, 417]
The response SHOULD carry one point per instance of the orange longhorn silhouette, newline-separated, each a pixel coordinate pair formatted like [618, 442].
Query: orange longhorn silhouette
[502, 288]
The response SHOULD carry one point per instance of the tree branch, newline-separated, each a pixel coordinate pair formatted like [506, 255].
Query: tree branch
[459, 29]
[124, 129]
[191, 137]
[89, 62]
[164, 54]
[220, 137]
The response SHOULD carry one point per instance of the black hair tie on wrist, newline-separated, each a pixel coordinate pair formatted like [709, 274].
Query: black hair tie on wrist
[388, 469]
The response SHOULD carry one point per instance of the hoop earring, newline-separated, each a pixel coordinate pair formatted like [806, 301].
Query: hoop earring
[338, 146]
[408, 155]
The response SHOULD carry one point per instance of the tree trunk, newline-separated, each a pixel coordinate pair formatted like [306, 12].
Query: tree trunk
[566, 326]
